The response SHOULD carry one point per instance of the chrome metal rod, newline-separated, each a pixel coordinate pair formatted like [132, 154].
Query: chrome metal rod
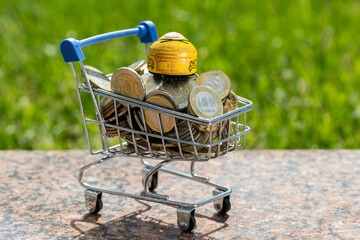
[81, 109]
[97, 111]
[149, 175]
[194, 175]
[227, 191]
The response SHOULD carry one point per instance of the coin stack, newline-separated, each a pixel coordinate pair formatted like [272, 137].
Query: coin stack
[206, 96]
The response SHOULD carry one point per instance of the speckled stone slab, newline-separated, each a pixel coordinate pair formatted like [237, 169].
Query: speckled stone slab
[298, 194]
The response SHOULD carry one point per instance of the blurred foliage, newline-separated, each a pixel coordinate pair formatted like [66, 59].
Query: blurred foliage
[298, 61]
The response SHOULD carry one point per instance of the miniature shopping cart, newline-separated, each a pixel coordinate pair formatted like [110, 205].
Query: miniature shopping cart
[130, 147]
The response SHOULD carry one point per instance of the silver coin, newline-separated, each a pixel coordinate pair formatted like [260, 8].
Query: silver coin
[140, 67]
[217, 81]
[180, 90]
[97, 78]
[150, 82]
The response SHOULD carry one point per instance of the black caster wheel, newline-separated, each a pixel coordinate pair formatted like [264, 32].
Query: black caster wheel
[93, 201]
[153, 182]
[98, 206]
[226, 206]
[192, 223]
[187, 222]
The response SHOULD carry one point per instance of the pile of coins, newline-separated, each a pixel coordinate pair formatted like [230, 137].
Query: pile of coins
[206, 96]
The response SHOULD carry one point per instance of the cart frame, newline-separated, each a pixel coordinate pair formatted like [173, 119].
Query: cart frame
[235, 138]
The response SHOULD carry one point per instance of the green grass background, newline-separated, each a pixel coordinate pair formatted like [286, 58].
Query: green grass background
[298, 61]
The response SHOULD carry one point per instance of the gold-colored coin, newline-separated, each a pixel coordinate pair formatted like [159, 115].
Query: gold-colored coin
[112, 118]
[183, 134]
[127, 82]
[105, 104]
[203, 138]
[233, 99]
[175, 152]
[228, 145]
[105, 101]
[134, 121]
[160, 145]
[180, 90]
[161, 99]
[182, 129]
[121, 122]
[207, 128]
[216, 80]
[205, 103]
[190, 149]
[190, 110]
[139, 124]
[109, 108]
[138, 120]
[226, 132]
[124, 122]
[130, 148]
[228, 107]
[196, 136]
[97, 78]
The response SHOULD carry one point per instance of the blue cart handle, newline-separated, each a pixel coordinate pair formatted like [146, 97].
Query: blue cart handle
[71, 48]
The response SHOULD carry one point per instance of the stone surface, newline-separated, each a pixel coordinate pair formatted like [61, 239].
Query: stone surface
[298, 194]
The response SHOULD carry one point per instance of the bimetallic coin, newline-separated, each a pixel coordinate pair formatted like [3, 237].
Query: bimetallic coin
[162, 99]
[127, 82]
[216, 80]
[97, 78]
[180, 90]
[205, 103]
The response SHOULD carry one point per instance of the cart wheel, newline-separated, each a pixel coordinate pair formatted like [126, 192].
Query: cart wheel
[153, 182]
[186, 222]
[93, 201]
[192, 224]
[98, 206]
[226, 206]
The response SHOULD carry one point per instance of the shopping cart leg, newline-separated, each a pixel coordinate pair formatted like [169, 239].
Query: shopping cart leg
[93, 201]
[186, 219]
[153, 181]
[149, 176]
[221, 205]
